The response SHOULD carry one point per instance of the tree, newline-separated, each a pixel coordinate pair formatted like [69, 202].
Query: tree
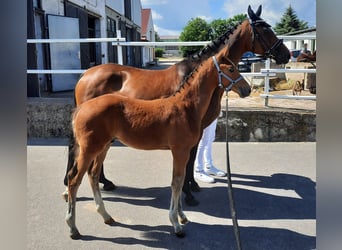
[219, 26]
[199, 30]
[289, 23]
[157, 37]
[196, 30]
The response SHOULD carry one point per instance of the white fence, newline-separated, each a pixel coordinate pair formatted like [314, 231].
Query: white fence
[266, 72]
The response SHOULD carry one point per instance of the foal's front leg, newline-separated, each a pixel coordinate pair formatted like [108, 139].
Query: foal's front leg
[176, 214]
[94, 176]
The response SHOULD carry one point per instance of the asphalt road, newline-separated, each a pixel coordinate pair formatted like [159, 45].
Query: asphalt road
[274, 187]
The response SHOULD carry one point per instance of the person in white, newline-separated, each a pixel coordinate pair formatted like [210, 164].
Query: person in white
[204, 168]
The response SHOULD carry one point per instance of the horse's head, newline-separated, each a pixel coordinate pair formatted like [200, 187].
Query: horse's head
[231, 79]
[264, 41]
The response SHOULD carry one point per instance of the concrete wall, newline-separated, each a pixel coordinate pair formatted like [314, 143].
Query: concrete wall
[50, 118]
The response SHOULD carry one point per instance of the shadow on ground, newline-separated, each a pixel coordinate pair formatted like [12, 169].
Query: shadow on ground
[250, 205]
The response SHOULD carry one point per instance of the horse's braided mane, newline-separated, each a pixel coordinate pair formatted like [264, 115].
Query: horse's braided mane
[204, 54]
[213, 46]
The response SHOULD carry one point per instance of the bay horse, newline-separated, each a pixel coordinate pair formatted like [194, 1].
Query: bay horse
[148, 125]
[244, 37]
[255, 36]
[303, 57]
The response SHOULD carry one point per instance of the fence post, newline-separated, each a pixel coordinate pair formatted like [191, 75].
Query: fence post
[119, 47]
[267, 80]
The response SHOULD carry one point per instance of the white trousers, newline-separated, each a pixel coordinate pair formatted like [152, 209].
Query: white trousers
[204, 150]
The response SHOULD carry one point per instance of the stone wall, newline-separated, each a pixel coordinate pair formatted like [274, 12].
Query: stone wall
[50, 118]
[267, 125]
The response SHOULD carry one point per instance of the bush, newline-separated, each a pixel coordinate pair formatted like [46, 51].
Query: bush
[158, 52]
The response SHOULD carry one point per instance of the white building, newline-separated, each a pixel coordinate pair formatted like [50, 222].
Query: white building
[79, 19]
[298, 44]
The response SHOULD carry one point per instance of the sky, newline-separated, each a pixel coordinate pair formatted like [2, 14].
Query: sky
[171, 16]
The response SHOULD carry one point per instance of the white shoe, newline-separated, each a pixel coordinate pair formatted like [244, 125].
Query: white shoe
[202, 176]
[215, 172]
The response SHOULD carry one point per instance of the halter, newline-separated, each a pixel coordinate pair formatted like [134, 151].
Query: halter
[269, 52]
[222, 74]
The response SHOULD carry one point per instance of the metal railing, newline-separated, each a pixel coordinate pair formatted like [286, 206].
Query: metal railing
[266, 72]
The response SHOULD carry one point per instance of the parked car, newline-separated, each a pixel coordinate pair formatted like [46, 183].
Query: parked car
[245, 64]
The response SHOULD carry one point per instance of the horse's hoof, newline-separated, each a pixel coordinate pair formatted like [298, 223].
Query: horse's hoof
[109, 186]
[65, 196]
[110, 221]
[180, 234]
[75, 236]
[191, 201]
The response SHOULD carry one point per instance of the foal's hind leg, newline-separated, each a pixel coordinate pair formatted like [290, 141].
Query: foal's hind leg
[94, 175]
[74, 181]
[70, 165]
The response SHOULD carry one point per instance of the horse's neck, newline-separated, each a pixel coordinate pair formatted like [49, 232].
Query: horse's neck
[185, 67]
[240, 42]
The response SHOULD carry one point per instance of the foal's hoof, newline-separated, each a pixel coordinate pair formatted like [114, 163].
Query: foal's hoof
[110, 221]
[65, 196]
[75, 236]
[184, 221]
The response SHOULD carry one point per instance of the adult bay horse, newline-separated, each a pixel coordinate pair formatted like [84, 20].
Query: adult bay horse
[148, 125]
[255, 36]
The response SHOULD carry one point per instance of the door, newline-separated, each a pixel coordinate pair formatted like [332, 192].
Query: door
[64, 55]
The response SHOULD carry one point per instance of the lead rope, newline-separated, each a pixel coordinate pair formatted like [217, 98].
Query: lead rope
[230, 188]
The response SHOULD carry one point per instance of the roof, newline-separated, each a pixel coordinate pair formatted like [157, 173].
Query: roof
[145, 17]
[164, 38]
[298, 32]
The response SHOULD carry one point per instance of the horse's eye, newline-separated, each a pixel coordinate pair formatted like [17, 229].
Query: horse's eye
[231, 70]
[265, 29]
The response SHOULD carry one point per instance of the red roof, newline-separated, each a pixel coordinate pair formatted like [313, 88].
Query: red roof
[145, 17]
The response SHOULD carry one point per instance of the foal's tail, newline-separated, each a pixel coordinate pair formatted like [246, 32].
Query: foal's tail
[71, 146]
[75, 145]
[72, 149]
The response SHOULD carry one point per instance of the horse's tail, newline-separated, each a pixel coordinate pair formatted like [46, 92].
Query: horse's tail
[81, 75]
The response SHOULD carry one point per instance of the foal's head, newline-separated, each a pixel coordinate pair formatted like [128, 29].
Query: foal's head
[232, 79]
[264, 41]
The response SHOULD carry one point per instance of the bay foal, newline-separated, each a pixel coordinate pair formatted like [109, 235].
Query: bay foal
[148, 125]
